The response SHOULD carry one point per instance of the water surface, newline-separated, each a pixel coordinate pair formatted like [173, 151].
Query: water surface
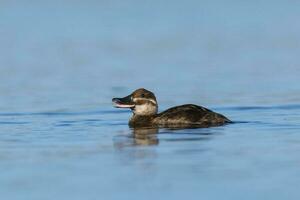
[61, 62]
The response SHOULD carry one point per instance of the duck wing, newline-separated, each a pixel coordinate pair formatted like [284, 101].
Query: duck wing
[190, 114]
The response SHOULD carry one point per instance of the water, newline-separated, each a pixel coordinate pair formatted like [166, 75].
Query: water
[61, 62]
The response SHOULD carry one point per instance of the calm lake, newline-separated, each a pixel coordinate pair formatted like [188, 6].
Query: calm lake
[61, 63]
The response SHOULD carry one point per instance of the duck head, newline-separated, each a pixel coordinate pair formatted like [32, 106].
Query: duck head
[141, 102]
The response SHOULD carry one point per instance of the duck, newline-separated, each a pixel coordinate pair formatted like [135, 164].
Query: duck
[144, 107]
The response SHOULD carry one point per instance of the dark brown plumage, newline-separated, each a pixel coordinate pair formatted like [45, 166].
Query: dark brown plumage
[144, 106]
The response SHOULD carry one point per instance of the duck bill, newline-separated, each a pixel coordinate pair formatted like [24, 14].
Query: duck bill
[125, 102]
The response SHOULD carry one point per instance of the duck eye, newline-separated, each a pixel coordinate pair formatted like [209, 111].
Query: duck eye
[143, 95]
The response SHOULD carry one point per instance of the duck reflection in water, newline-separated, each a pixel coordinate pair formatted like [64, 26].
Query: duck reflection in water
[151, 136]
[137, 137]
[145, 136]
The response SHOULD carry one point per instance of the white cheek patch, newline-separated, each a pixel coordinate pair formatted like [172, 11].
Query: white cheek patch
[145, 109]
[144, 99]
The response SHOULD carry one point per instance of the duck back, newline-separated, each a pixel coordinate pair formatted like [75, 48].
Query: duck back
[190, 115]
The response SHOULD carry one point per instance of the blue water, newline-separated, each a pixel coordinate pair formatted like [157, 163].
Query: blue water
[61, 62]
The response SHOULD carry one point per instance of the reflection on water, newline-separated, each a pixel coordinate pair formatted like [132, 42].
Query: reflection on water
[145, 136]
[138, 136]
[150, 136]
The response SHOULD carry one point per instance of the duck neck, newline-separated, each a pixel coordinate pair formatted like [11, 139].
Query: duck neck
[141, 120]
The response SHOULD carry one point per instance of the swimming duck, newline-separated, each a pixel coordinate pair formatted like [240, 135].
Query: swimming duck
[144, 106]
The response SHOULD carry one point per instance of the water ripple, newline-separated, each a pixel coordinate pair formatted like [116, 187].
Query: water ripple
[276, 107]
